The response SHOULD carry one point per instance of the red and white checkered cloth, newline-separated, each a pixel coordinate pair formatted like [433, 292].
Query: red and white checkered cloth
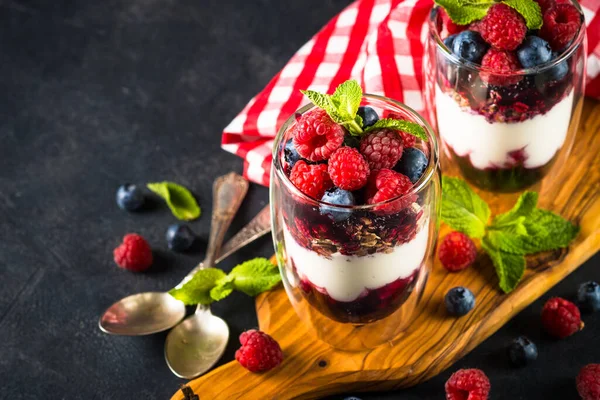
[380, 43]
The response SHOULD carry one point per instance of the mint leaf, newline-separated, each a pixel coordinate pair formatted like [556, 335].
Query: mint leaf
[325, 102]
[462, 209]
[182, 203]
[198, 289]
[223, 289]
[529, 9]
[524, 206]
[509, 267]
[347, 98]
[255, 276]
[400, 125]
[463, 12]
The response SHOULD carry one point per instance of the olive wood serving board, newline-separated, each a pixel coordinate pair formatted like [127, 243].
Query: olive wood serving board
[434, 341]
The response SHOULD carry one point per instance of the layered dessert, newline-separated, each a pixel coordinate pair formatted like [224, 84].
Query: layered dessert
[504, 94]
[356, 230]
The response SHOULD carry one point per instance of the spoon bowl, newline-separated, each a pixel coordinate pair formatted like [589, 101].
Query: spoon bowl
[142, 314]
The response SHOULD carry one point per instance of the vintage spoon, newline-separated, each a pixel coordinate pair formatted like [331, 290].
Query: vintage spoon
[152, 312]
[196, 344]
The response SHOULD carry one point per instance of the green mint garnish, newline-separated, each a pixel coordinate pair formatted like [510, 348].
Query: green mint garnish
[343, 104]
[525, 229]
[464, 12]
[182, 203]
[209, 285]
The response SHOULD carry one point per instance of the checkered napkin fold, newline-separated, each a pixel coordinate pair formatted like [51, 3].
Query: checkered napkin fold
[380, 43]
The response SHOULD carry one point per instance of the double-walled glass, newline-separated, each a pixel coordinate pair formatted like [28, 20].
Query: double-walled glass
[504, 131]
[355, 274]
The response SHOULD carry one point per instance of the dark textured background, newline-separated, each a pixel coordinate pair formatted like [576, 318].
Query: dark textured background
[97, 93]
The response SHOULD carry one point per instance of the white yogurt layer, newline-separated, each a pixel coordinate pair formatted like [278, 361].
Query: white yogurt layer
[488, 144]
[346, 277]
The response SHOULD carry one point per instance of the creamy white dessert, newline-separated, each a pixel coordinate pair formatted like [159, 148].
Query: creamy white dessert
[345, 278]
[488, 144]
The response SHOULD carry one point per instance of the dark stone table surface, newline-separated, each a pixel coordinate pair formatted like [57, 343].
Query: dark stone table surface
[97, 93]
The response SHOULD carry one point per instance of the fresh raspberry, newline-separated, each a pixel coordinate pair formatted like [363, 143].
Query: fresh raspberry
[468, 384]
[382, 148]
[408, 140]
[134, 254]
[385, 184]
[545, 5]
[457, 251]
[348, 169]
[502, 27]
[316, 136]
[561, 318]
[502, 63]
[259, 351]
[561, 24]
[312, 179]
[588, 382]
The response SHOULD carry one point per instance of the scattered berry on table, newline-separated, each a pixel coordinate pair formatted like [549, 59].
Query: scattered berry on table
[588, 382]
[561, 318]
[457, 251]
[259, 351]
[291, 154]
[522, 351]
[134, 254]
[468, 384]
[470, 46]
[368, 115]
[412, 164]
[130, 197]
[382, 148]
[533, 52]
[561, 24]
[316, 136]
[459, 301]
[348, 169]
[588, 296]
[502, 63]
[559, 71]
[385, 184]
[503, 27]
[337, 196]
[311, 179]
[179, 237]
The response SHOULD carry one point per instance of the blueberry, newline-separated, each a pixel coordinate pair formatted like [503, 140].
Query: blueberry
[559, 71]
[290, 153]
[352, 398]
[368, 115]
[470, 46]
[130, 197]
[412, 164]
[534, 51]
[459, 301]
[339, 197]
[449, 41]
[588, 296]
[180, 237]
[522, 351]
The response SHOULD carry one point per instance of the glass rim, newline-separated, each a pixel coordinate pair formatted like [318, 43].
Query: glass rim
[422, 183]
[566, 54]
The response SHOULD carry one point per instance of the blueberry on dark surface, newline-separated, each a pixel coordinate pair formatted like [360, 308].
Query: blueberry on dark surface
[522, 351]
[290, 153]
[559, 71]
[459, 301]
[470, 46]
[352, 398]
[130, 197]
[588, 296]
[368, 115]
[412, 164]
[534, 51]
[180, 237]
[449, 41]
[339, 197]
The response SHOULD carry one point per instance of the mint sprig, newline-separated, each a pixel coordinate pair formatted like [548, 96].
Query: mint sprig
[342, 107]
[464, 12]
[180, 200]
[525, 229]
[211, 284]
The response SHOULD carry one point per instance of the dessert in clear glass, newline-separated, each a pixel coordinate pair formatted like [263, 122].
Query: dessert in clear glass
[354, 262]
[505, 99]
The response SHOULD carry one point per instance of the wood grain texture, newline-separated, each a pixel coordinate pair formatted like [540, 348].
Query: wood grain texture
[434, 341]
